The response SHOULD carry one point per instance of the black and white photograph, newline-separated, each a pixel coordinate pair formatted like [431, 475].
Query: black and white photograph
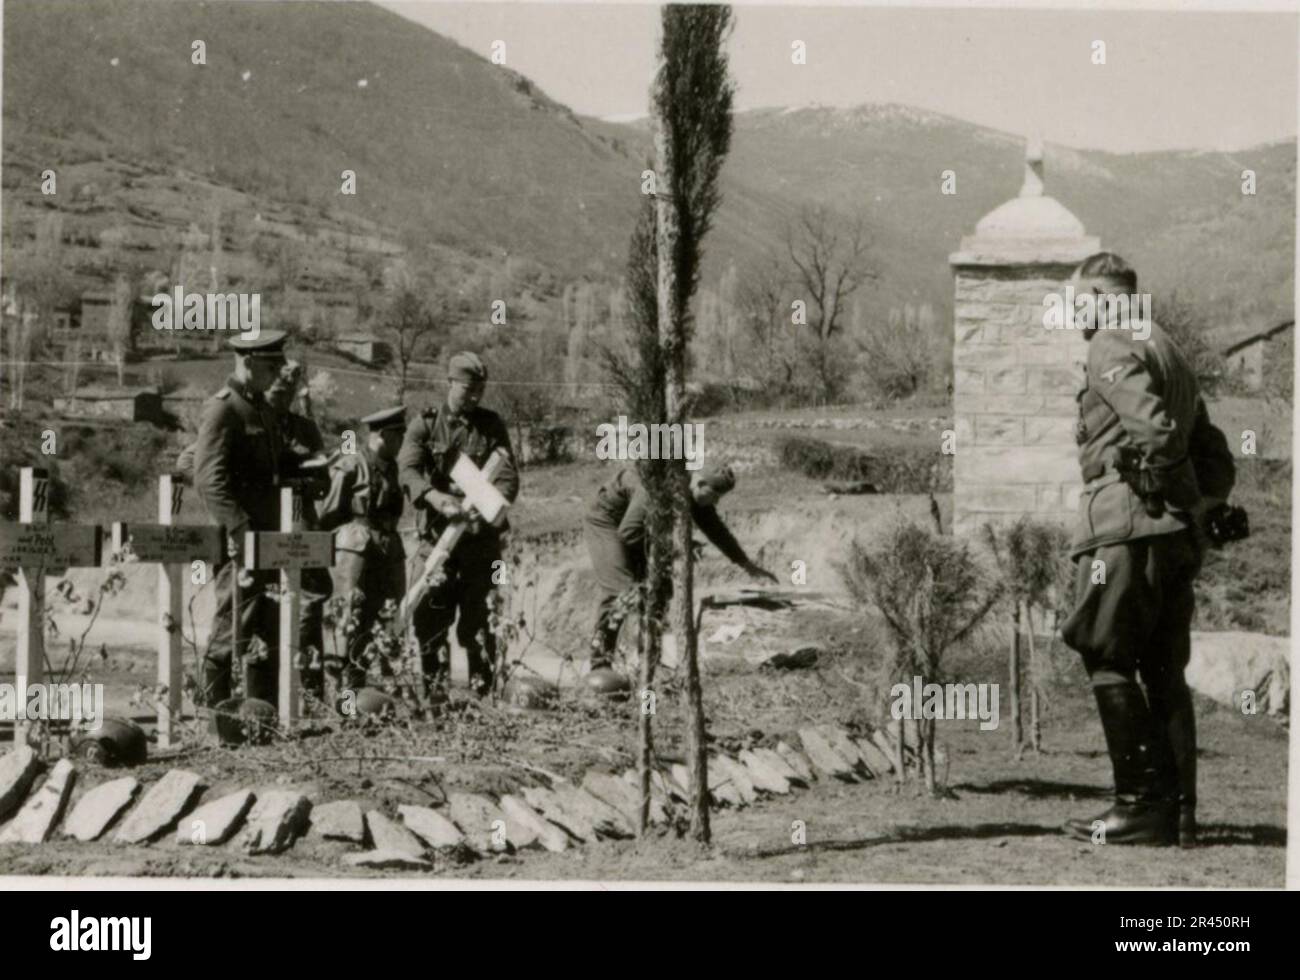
[616, 445]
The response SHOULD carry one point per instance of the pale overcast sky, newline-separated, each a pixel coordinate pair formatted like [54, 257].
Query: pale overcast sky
[1171, 80]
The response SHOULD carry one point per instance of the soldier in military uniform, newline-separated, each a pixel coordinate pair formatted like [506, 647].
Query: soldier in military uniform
[302, 464]
[433, 441]
[364, 503]
[616, 542]
[236, 471]
[1153, 468]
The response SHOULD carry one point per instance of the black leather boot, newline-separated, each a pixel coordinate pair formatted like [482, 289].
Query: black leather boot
[1143, 812]
[216, 684]
[1175, 714]
[603, 644]
[481, 673]
[436, 667]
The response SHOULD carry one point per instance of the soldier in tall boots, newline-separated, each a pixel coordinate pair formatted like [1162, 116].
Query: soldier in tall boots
[364, 503]
[1153, 467]
[433, 441]
[236, 472]
[616, 541]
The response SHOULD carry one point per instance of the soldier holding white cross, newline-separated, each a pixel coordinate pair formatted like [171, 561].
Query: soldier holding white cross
[434, 441]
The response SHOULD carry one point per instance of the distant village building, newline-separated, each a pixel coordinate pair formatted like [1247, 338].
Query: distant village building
[85, 320]
[1251, 352]
[366, 348]
[112, 404]
[1014, 380]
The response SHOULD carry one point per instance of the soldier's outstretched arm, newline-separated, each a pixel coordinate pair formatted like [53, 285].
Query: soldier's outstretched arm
[213, 451]
[708, 520]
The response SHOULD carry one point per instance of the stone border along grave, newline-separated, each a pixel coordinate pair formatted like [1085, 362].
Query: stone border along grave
[553, 817]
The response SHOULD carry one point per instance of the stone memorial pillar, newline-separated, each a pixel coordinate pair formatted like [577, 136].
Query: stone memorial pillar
[1014, 380]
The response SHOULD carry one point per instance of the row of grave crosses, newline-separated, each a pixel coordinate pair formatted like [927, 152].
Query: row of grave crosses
[34, 548]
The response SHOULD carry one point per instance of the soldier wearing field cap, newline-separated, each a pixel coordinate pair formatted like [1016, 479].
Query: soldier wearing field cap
[434, 440]
[1156, 476]
[237, 460]
[364, 503]
[616, 541]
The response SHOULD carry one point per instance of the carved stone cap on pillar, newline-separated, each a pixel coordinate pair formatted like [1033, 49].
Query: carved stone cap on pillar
[1029, 229]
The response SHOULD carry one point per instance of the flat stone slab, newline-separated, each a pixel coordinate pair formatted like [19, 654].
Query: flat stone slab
[387, 861]
[679, 782]
[763, 775]
[736, 774]
[163, 804]
[482, 823]
[389, 835]
[549, 804]
[41, 812]
[878, 761]
[661, 793]
[823, 755]
[721, 790]
[623, 796]
[547, 834]
[605, 818]
[1225, 665]
[846, 748]
[888, 744]
[431, 826]
[778, 764]
[95, 811]
[278, 818]
[796, 760]
[340, 820]
[216, 822]
[17, 770]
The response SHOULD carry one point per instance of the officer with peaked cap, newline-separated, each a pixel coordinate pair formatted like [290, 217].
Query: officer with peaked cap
[364, 503]
[434, 440]
[236, 473]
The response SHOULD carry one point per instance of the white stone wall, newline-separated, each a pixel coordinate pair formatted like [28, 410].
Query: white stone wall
[1014, 385]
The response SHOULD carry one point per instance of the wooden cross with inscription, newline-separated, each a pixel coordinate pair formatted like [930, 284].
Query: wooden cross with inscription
[172, 546]
[35, 548]
[288, 550]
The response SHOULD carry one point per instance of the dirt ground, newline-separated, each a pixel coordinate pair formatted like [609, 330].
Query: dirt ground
[998, 827]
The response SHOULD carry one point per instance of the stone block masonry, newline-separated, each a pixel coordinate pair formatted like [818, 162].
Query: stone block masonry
[1014, 381]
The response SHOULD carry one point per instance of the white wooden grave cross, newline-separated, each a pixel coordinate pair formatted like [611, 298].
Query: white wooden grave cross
[34, 548]
[289, 550]
[173, 547]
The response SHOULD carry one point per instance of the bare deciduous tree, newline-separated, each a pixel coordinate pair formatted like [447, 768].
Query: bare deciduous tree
[828, 263]
[902, 353]
[413, 328]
